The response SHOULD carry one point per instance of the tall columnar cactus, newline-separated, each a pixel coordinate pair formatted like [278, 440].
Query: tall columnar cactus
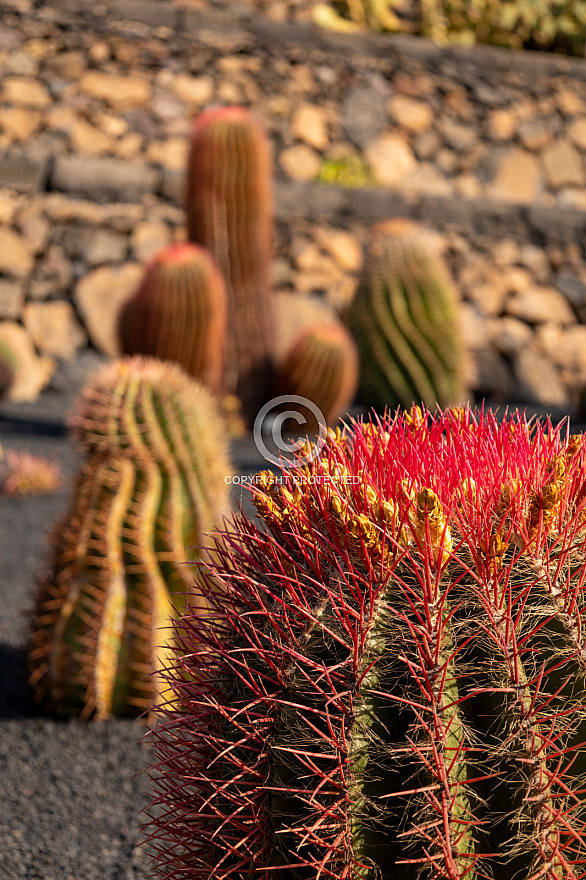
[230, 212]
[179, 314]
[152, 484]
[392, 682]
[405, 319]
[322, 365]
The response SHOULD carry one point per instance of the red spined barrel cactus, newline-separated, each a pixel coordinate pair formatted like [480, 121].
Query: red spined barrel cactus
[229, 208]
[391, 683]
[179, 314]
[322, 366]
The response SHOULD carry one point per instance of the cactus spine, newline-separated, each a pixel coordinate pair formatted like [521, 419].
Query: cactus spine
[405, 320]
[152, 484]
[230, 212]
[394, 685]
[322, 365]
[179, 314]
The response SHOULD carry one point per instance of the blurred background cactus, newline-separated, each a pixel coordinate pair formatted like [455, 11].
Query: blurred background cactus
[229, 205]
[405, 320]
[393, 681]
[533, 24]
[179, 314]
[152, 485]
[24, 474]
[322, 366]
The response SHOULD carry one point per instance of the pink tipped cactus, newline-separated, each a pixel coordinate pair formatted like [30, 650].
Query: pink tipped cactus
[391, 680]
[179, 314]
[229, 208]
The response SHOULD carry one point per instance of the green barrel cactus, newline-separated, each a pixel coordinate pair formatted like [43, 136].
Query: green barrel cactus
[322, 366]
[151, 486]
[179, 314]
[229, 207]
[405, 320]
[390, 681]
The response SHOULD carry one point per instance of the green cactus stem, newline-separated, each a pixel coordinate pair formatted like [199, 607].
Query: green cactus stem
[390, 683]
[229, 208]
[152, 485]
[322, 366]
[179, 314]
[405, 320]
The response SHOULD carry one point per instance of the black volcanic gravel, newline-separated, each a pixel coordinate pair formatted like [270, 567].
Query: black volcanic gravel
[70, 792]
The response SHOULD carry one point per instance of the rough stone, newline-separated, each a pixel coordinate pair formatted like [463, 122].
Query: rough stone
[518, 178]
[488, 297]
[510, 335]
[412, 115]
[23, 174]
[502, 124]
[343, 246]
[569, 102]
[11, 298]
[86, 138]
[33, 373]
[22, 63]
[101, 246]
[69, 65]
[488, 374]
[577, 132]
[563, 165]
[391, 159]
[54, 328]
[426, 180]
[16, 255]
[473, 327]
[35, 228]
[99, 297]
[194, 90]
[300, 162]
[535, 134]
[53, 275]
[458, 137]
[294, 312]
[129, 146]
[170, 154]
[122, 92]
[538, 380]
[572, 287]
[364, 115]
[26, 92]
[148, 239]
[104, 179]
[310, 124]
[19, 123]
[537, 305]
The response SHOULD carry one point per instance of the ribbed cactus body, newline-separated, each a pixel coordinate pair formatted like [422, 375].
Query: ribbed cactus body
[393, 683]
[322, 366]
[152, 484]
[179, 314]
[405, 319]
[229, 208]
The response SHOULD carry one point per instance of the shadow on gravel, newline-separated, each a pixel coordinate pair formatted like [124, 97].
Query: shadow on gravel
[15, 697]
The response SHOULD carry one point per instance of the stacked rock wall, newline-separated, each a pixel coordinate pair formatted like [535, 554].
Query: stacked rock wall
[484, 146]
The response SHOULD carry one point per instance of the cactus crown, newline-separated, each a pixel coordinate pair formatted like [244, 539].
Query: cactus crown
[392, 682]
[179, 313]
[322, 366]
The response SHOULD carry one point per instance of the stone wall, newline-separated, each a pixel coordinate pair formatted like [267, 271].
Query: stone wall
[485, 147]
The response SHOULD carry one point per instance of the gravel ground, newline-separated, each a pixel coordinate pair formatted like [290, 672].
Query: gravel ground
[71, 791]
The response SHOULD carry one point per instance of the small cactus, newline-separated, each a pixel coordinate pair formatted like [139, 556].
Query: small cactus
[179, 314]
[26, 474]
[405, 320]
[229, 208]
[152, 485]
[322, 366]
[391, 680]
